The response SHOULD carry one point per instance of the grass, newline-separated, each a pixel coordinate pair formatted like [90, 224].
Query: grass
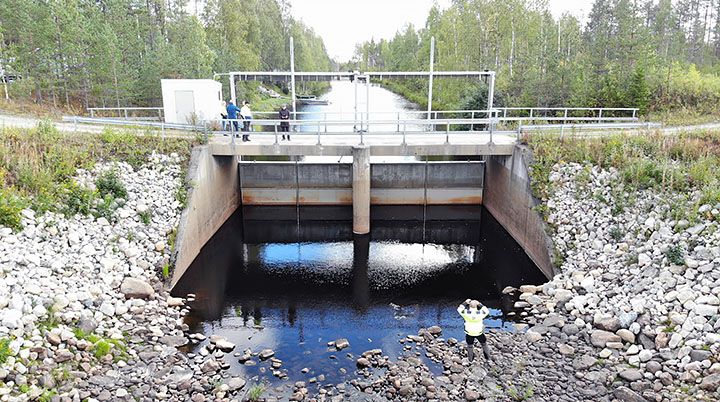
[675, 254]
[37, 167]
[166, 271]
[520, 394]
[103, 346]
[4, 350]
[145, 217]
[256, 392]
[668, 164]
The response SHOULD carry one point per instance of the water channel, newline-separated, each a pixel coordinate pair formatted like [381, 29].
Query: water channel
[293, 279]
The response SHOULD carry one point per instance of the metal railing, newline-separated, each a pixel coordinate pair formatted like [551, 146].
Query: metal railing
[129, 113]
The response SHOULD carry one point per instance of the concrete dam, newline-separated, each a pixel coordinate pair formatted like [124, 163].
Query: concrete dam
[221, 182]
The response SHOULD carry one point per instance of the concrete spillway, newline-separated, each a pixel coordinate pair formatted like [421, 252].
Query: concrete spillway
[221, 184]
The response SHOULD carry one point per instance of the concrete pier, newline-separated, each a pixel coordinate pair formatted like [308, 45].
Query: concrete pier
[361, 190]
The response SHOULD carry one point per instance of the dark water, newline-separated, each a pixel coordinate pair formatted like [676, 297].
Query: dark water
[306, 282]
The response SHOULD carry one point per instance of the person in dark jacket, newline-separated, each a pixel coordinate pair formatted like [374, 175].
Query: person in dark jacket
[285, 124]
[232, 114]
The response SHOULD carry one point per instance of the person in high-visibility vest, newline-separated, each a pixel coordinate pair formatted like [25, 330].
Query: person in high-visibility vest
[473, 312]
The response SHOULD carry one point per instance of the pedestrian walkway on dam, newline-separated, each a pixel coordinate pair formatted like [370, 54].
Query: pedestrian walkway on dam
[309, 144]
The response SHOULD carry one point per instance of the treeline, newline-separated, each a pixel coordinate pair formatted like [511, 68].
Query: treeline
[114, 52]
[656, 54]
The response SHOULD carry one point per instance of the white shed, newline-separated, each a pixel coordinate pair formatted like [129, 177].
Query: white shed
[188, 101]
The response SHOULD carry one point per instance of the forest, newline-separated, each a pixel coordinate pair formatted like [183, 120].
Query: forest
[658, 55]
[112, 53]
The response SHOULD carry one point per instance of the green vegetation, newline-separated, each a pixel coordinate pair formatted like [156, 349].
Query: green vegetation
[255, 392]
[115, 52]
[145, 217]
[658, 55]
[670, 164]
[4, 349]
[166, 271]
[102, 346]
[37, 168]
[523, 394]
[675, 254]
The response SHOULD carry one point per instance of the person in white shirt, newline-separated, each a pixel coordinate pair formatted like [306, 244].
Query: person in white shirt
[246, 114]
[473, 312]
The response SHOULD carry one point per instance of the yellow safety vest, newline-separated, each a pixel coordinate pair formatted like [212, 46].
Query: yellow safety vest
[473, 319]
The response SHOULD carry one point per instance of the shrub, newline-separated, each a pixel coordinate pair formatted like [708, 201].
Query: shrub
[675, 254]
[101, 348]
[616, 234]
[256, 392]
[11, 207]
[146, 217]
[109, 184]
[4, 350]
[79, 200]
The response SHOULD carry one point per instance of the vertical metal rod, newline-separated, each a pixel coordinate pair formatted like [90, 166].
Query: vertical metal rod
[126, 113]
[398, 121]
[491, 91]
[275, 127]
[326, 122]
[232, 89]
[367, 102]
[600, 115]
[92, 113]
[292, 76]
[355, 80]
[430, 76]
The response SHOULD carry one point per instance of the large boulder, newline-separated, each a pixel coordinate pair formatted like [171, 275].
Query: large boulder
[134, 288]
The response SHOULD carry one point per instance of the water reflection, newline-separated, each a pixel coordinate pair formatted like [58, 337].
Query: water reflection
[274, 284]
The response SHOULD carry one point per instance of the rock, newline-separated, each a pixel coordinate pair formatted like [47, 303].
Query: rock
[179, 376]
[706, 310]
[108, 309]
[710, 383]
[583, 362]
[566, 350]
[653, 367]
[700, 355]
[12, 319]
[631, 375]
[645, 355]
[175, 302]
[600, 338]
[532, 336]
[435, 330]
[471, 395]
[611, 324]
[341, 344]
[174, 341]
[63, 355]
[266, 354]
[53, 338]
[235, 384]
[225, 345]
[210, 366]
[134, 288]
[625, 394]
[363, 362]
[626, 335]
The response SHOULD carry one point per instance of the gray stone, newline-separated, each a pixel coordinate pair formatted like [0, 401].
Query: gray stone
[611, 324]
[600, 338]
[363, 362]
[471, 395]
[625, 394]
[134, 288]
[583, 362]
[175, 341]
[700, 355]
[63, 355]
[341, 343]
[225, 345]
[266, 354]
[711, 382]
[236, 384]
[626, 335]
[631, 375]
[653, 367]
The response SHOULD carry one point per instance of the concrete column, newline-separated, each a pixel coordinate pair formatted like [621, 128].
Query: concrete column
[361, 190]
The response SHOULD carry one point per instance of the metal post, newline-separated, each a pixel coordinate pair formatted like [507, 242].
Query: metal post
[361, 190]
[92, 113]
[367, 102]
[232, 89]
[398, 121]
[326, 122]
[126, 114]
[491, 90]
[292, 76]
[600, 116]
[355, 80]
[432, 69]
[275, 127]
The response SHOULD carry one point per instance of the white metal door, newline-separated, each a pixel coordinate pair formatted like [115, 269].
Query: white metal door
[184, 106]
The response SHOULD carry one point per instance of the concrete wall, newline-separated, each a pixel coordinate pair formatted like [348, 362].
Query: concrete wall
[508, 197]
[416, 183]
[214, 196]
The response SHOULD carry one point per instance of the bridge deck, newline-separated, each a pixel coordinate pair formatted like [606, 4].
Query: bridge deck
[380, 144]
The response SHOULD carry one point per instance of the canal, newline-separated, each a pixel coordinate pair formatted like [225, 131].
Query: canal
[294, 279]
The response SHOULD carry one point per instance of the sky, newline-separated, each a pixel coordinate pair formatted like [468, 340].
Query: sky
[344, 23]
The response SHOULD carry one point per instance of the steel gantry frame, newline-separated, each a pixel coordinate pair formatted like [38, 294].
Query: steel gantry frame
[292, 76]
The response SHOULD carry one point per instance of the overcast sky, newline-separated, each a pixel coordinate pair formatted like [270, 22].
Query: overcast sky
[343, 23]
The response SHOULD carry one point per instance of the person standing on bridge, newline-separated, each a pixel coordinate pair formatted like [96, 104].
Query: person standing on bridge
[232, 114]
[473, 312]
[246, 114]
[284, 123]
